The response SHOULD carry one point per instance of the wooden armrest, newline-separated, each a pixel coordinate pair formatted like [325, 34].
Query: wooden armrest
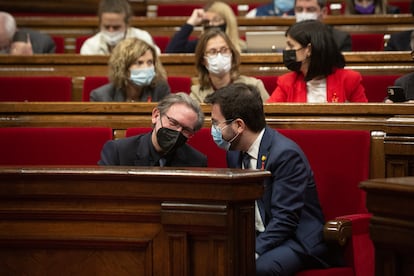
[337, 231]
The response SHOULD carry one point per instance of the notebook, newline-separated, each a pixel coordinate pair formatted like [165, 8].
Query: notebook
[265, 41]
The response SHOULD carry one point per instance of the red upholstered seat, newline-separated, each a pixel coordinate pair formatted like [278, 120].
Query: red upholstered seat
[90, 83]
[180, 84]
[376, 86]
[60, 44]
[36, 88]
[270, 82]
[201, 141]
[177, 9]
[52, 145]
[79, 42]
[367, 42]
[161, 42]
[340, 161]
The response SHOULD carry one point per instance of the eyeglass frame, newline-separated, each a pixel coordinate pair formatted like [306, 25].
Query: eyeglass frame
[186, 131]
[208, 53]
[216, 124]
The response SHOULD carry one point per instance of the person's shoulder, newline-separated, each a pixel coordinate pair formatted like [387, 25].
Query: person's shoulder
[288, 77]
[133, 31]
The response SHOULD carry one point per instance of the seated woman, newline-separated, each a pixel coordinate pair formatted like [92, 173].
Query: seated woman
[135, 73]
[217, 62]
[217, 14]
[318, 68]
[370, 7]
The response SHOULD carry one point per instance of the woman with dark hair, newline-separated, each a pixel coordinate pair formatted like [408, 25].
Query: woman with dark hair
[318, 68]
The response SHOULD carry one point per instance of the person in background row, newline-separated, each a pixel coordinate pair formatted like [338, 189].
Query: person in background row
[136, 74]
[401, 41]
[16, 41]
[176, 118]
[114, 26]
[317, 65]
[288, 217]
[217, 62]
[317, 10]
[214, 15]
[274, 8]
[370, 7]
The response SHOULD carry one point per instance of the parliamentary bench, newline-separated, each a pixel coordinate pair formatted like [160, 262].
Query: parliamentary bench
[182, 65]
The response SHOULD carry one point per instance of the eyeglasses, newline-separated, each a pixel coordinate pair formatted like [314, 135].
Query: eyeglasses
[215, 21]
[186, 131]
[216, 124]
[212, 53]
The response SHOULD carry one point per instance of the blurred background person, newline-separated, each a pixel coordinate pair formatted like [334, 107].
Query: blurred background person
[135, 74]
[214, 15]
[274, 8]
[217, 61]
[16, 41]
[114, 26]
[401, 41]
[369, 7]
[317, 65]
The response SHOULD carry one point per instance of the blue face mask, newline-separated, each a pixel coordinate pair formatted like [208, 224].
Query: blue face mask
[142, 77]
[284, 5]
[219, 140]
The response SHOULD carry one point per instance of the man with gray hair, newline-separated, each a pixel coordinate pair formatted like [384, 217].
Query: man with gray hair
[16, 41]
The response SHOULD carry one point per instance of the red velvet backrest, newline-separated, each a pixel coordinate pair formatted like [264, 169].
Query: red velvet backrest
[79, 42]
[270, 83]
[202, 141]
[179, 84]
[340, 161]
[36, 88]
[52, 145]
[376, 86]
[177, 9]
[161, 42]
[60, 44]
[90, 83]
[367, 42]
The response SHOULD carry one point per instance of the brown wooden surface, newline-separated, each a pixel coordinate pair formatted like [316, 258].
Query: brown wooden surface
[391, 201]
[78, 66]
[127, 221]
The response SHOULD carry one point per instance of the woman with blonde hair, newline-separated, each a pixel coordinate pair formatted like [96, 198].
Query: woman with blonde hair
[214, 15]
[217, 61]
[135, 73]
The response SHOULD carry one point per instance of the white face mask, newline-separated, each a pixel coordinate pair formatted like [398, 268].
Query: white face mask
[301, 16]
[219, 64]
[112, 38]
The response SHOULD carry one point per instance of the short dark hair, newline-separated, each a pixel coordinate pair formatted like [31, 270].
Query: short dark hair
[115, 6]
[325, 56]
[239, 100]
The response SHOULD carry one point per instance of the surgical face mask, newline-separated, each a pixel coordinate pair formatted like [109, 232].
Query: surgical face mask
[284, 5]
[289, 59]
[301, 16]
[365, 10]
[220, 64]
[142, 76]
[217, 135]
[169, 139]
[112, 38]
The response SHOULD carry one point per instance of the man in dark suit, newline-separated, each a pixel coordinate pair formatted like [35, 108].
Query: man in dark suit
[22, 41]
[289, 219]
[175, 119]
[401, 41]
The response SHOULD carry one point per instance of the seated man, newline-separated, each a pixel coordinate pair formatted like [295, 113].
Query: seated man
[175, 119]
[16, 41]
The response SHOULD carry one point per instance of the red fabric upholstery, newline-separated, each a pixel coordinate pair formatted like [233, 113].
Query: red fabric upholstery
[367, 42]
[404, 6]
[79, 42]
[340, 161]
[36, 89]
[52, 146]
[201, 141]
[270, 82]
[90, 83]
[60, 44]
[376, 86]
[177, 9]
[161, 42]
[180, 84]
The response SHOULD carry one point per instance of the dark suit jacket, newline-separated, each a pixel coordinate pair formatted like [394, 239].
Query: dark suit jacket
[399, 42]
[342, 39]
[180, 42]
[407, 82]
[108, 93]
[136, 151]
[289, 207]
[41, 43]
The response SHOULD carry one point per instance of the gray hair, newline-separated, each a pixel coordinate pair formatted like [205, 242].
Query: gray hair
[9, 24]
[182, 98]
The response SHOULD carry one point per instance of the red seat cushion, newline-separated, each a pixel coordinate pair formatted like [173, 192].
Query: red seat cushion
[179, 84]
[90, 83]
[367, 42]
[376, 86]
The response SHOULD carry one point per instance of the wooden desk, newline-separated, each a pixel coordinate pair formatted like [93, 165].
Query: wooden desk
[124, 221]
[391, 201]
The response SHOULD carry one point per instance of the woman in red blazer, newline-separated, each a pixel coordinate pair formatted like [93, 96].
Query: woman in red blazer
[318, 68]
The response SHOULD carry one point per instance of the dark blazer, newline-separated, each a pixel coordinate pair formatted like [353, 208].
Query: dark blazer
[108, 93]
[407, 83]
[180, 42]
[342, 39]
[41, 43]
[136, 151]
[290, 197]
[399, 42]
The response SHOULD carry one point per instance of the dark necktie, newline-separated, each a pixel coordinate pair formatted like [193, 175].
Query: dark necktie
[246, 160]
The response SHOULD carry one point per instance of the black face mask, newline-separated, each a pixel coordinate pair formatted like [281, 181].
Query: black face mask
[222, 27]
[289, 59]
[169, 139]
